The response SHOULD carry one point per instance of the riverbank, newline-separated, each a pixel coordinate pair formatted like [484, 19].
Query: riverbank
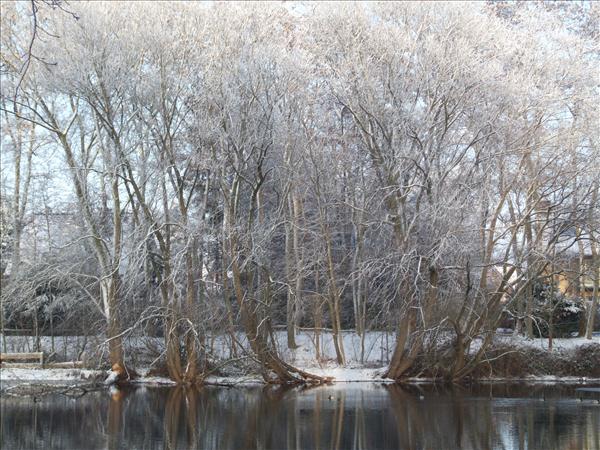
[14, 376]
[509, 359]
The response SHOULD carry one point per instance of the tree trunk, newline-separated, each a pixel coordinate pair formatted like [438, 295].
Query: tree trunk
[334, 302]
[290, 297]
[191, 371]
[109, 291]
[596, 281]
[595, 269]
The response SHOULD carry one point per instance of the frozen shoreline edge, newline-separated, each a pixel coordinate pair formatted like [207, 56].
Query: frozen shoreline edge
[78, 376]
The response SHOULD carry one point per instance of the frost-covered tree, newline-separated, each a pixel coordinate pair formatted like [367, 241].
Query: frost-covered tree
[409, 168]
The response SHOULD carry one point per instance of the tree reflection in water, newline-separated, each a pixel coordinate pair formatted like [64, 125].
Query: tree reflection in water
[346, 416]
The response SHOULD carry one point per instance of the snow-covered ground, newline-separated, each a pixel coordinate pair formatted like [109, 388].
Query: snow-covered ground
[375, 357]
[378, 346]
[543, 344]
[349, 374]
[18, 374]
[543, 379]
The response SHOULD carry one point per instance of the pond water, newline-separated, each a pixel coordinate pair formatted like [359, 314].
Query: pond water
[343, 416]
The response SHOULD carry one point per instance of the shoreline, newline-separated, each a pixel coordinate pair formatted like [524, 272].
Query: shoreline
[513, 360]
[40, 376]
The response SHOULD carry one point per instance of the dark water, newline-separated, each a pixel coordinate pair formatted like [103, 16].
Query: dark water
[350, 416]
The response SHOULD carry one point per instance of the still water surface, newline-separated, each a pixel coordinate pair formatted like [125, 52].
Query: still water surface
[344, 416]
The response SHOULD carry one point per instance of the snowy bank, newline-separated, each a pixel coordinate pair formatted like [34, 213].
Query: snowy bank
[543, 343]
[571, 360]
[19, 374]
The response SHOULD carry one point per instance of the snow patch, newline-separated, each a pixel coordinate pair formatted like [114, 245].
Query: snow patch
[542, 343]
[21, 374]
